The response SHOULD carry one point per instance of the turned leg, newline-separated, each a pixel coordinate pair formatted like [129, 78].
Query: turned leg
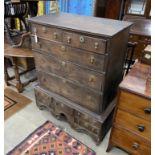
[6, 75]
[19, 85]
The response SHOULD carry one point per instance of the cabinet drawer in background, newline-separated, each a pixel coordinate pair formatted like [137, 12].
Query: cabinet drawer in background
[133, 123]
[142, 106]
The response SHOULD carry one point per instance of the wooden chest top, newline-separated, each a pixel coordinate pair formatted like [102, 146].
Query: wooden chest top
[138, 80]
[85, 24]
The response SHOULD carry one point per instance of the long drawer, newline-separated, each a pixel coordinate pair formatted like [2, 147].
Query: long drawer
[77, 93]
[85, 58]
[130, 142]
[133, 123]
[142, 106]
[70, 71]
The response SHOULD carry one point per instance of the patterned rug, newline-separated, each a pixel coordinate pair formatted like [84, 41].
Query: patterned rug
[13, 102]
[11, 98]
[50, 140]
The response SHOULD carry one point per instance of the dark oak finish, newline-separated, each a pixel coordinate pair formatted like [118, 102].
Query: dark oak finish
[131, 129]
[77, 64]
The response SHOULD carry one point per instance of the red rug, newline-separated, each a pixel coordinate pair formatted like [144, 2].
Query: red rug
[50, 140]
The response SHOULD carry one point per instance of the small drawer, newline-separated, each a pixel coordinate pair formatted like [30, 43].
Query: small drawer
[43, 98]
[142, 106]
[85, 42]
[83, 96]
[133, 123]
[82, 57]
[130, 142]
[69, 71]
[46, 32]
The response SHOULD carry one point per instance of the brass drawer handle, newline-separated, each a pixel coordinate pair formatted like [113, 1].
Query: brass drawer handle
[141, 127]
[63, 48]
[64, 81]
[135, 146]
[147, 110]
[69, 40]
[92, 60]
[82, 40]
[91, 79]
[96, 45]
[44, 29]
[63, 63]
[55, 35]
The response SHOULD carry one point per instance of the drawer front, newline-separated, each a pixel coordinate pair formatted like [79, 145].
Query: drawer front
[76, 93]
[88, 59]
[85, 42]
[133, 123]
[46, 32]
[130, 142]
[135, 104]
[69, 71]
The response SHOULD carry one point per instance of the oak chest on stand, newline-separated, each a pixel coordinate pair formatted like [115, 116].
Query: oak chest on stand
[79, 62]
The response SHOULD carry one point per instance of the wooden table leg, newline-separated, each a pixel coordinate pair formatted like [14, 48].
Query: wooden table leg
[6, 75]
[19, 85]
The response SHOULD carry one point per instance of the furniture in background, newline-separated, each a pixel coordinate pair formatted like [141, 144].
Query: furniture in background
[140, 32]
[75, 64]
[21, 51]
[131, 129]
[109, 8]
[146, 55]
[141, 8]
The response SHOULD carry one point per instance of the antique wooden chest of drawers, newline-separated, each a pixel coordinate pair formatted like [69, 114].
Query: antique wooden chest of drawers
[80, 59]
[131, 129]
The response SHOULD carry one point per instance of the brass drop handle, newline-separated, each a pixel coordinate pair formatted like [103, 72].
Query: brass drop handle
[141, 127]
[82, 40]
[63, 48]
[69, 40]
[55, 35]
[147, 110]
[64, 81]
[44, 29]
[92, 60]
[135, 146]
[96, 45]
[91, 79]
[63, 63]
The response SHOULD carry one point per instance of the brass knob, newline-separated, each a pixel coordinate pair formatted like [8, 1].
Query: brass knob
[63, 63]
[92, 60]
[96, 45]
[82, 40]
[55, 35]
[135, 146]
[63, 48]
[44, 29]
[91, 79]
[69, 39]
